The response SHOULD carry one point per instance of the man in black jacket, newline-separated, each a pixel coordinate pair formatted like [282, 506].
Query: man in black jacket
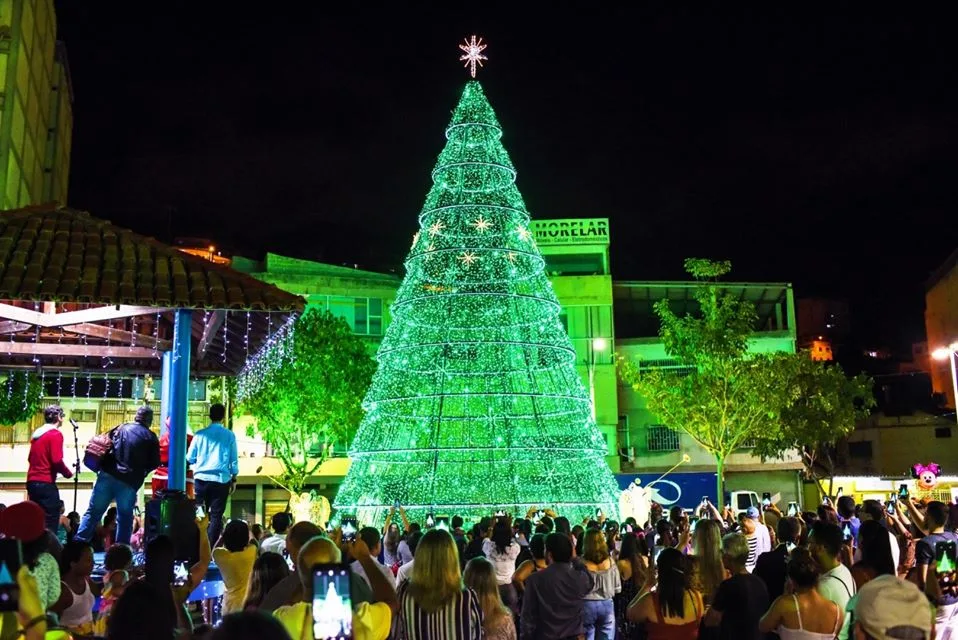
[770, 566]
[135, 453]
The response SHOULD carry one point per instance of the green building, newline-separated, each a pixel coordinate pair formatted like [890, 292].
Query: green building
[36, 106]
[604, 318]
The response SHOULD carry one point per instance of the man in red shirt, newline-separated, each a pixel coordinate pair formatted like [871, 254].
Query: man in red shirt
[46, 461]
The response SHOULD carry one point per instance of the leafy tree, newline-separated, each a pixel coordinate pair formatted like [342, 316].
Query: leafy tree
[823, 407]
[21, 394]
[309, 399]
[728, 396]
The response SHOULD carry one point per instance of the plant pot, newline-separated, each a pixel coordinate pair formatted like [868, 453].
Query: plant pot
[309, 506]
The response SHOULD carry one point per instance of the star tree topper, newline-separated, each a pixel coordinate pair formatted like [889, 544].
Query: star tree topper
[472, 54]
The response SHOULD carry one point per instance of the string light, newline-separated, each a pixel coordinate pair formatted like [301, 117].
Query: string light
[156, 335]
[226, 336]
[73, 389]
[246, 339]
[59, 384]
[476, 402]
[277, 350]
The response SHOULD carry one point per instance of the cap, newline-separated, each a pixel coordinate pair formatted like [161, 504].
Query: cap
[889, 608]
[752, 512]
[24, 521]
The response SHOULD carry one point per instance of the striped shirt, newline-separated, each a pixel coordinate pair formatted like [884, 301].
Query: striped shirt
[461, 619]
[752, 541]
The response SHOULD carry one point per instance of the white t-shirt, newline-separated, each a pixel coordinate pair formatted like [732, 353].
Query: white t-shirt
[404, 572]
[275, 543]
[764, 539]
[837, 585]
[504, 563]
[386, 571]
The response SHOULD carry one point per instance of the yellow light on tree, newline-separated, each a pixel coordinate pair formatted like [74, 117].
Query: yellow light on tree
[476, 404]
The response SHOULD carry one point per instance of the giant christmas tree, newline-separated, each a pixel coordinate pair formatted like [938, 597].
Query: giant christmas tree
[476, 404]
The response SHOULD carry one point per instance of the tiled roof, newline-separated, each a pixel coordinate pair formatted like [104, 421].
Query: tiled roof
[65, 255]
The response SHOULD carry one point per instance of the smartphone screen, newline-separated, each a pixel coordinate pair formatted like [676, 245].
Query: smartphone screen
[430, 521]
[903, 491]
[181, 573]
[332, 602]
[442, 522]
[350, 527]
[847, 533]
[396, 504]
[841, 492]
[946, 556]
[598, 513]
[792, 509]
[11, 557]
[891, 507]
[200, 512]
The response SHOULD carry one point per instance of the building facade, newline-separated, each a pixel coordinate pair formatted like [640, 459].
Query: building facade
[604, 319]
[941, 323]
[36, 106]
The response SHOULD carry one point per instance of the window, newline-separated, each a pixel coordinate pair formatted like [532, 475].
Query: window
[744, 501]
[861, 449]
[83, 415]
[363, 315]
[661, 438]
[942, 432]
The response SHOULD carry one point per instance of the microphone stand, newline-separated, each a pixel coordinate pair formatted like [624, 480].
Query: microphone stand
[76, 468]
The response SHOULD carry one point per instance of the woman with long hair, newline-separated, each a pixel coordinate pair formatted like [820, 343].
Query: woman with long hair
[705, 562]
[234, 555]
[876, 560]
[139, 613]
[633, 564]
[391, 557]
[802, 613]
[268, 570]
[433, 604]
[598, 612]
[497, 621]
[537, 547]
[674, 611]
[501, 549]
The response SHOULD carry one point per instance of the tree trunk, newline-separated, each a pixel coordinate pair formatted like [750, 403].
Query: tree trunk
[720, 481]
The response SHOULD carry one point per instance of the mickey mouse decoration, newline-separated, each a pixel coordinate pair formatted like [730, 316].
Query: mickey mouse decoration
[926, 475]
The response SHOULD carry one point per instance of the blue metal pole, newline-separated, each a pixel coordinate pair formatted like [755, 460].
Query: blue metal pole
[166, 389]
[180, 377]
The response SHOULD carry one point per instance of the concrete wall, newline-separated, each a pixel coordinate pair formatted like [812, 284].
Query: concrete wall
[899, 442]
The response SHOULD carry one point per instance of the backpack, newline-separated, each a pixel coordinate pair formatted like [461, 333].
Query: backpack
[97, 449]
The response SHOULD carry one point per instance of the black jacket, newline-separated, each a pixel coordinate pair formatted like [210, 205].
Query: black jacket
[770, 567]
[136, 452]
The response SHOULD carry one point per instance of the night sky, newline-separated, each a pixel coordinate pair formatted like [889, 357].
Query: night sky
[808, 148]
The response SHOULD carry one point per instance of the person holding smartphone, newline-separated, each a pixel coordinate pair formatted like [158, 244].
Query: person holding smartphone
[946, 614]
[373, 619]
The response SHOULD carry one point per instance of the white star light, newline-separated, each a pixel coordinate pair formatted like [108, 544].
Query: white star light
[524, 233]
[473, 54]
[468, 258]
[481, 224]
[415, 238]
[436, 227]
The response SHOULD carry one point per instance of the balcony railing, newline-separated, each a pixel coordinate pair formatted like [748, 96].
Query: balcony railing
[660, 438]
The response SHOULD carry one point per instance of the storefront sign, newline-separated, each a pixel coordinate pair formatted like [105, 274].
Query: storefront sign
[571, 232]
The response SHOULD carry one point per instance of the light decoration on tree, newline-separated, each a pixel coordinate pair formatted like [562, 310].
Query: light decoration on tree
[476, 404]
[156, 335]
[472, 55]
[272, 355]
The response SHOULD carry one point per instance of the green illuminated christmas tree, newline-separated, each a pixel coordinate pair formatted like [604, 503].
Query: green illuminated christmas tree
[476, 404]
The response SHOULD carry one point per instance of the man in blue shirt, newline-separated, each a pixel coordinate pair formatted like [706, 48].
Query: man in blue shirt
[215, 463]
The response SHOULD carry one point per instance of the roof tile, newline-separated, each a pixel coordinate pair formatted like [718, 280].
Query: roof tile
[53, 253]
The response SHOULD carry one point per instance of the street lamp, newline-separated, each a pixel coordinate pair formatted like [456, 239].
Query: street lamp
[950, 352]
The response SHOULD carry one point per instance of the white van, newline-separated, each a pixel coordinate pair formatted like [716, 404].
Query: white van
[740, 501]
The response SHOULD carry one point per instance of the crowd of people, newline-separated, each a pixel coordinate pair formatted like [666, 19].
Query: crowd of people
[870, 571]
